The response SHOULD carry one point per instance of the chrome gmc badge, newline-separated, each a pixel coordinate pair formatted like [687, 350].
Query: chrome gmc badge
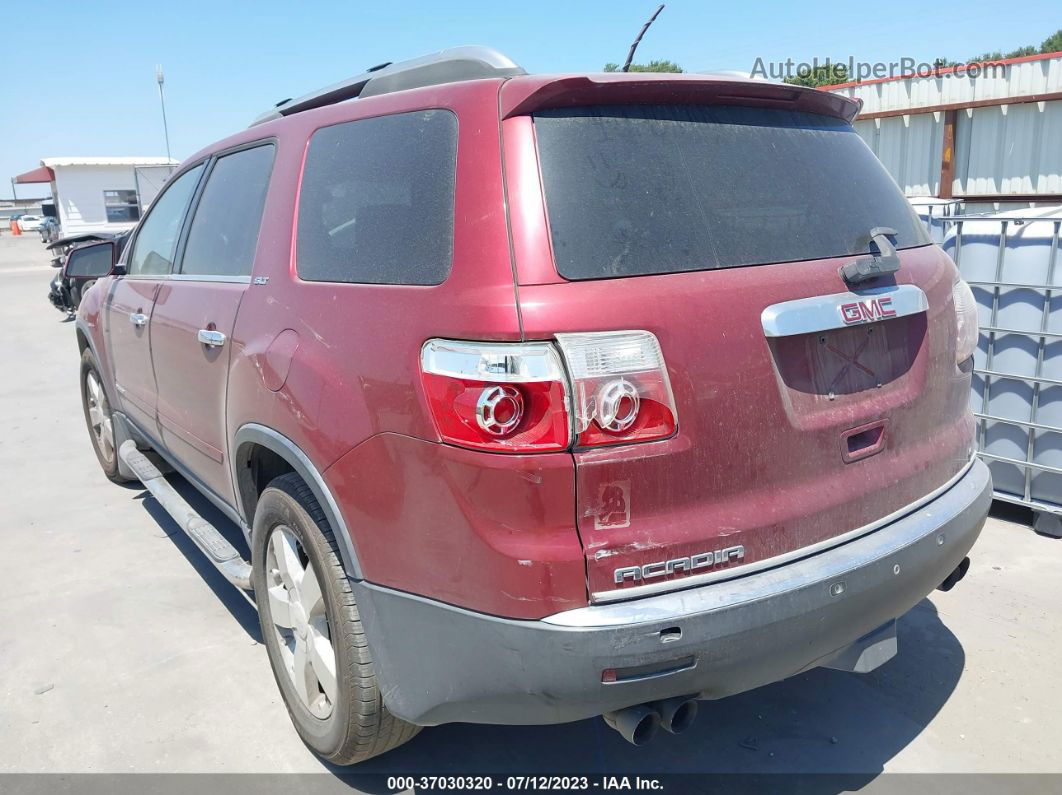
[867, 311]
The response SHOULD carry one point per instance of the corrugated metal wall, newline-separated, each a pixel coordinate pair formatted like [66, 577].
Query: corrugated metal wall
[910, 147]
[1009, 149]
[999, 150]
[1028, 77]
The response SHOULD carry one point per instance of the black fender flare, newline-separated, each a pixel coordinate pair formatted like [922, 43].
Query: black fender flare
[254, 433]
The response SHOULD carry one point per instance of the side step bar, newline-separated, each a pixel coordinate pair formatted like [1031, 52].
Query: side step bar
[218, 551]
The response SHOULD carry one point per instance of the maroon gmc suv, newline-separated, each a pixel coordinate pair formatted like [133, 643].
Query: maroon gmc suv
[538, 398]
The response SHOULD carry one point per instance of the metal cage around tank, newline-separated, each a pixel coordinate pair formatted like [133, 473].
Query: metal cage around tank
[1011, 262]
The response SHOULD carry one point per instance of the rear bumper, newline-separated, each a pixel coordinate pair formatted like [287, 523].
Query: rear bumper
[437, 663]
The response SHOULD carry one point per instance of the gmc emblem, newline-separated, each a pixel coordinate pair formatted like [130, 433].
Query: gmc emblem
[867, 311]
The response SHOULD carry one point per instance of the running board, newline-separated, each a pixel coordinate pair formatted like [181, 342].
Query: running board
[218, 550]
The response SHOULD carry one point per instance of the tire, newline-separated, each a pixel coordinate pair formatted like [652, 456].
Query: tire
[98, 418]
[343, 720]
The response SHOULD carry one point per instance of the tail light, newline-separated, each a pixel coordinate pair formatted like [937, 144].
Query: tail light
[620, 389]
[518, 397]
[506, 397]
[965, 320]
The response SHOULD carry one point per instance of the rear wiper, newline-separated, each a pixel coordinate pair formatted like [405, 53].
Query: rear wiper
[885, 261]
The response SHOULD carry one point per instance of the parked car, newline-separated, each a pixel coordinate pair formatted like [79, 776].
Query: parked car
[29, 223]
[49, 230]
[539, 398]
[67, 286]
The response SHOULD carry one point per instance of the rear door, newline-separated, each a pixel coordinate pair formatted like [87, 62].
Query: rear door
[809, 409]
[196, 308]
[148, 261]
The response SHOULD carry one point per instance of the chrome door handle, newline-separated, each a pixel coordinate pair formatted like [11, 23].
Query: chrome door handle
[215, 339]
[138, 319]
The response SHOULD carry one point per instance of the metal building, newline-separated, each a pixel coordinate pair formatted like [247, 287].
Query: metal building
[988, 135]
[100, 194]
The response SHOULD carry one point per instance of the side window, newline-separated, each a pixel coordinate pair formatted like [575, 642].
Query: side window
[377, 200]
[121, 206]
[156, 240]
[224, 231]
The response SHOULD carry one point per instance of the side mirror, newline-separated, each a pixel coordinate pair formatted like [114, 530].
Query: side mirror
[91, 262]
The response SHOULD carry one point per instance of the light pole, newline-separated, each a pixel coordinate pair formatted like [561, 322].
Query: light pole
[162, 98]
[14, 194]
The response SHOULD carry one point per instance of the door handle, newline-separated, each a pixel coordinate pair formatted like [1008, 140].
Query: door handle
[138, 319]
[215, 339]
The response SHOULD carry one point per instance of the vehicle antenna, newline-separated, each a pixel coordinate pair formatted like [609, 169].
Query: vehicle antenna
[637, 41]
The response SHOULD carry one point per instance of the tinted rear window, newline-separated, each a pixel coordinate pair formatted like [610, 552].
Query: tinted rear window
[377, 200]
[636, 190]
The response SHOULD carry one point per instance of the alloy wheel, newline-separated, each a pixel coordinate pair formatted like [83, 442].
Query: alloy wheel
[99, 416]
[300, 621]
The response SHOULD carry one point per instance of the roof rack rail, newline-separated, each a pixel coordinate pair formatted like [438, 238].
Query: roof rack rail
[446, 66]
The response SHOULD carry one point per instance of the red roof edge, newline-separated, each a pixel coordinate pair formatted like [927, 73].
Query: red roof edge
[42, 174]
[947, 70]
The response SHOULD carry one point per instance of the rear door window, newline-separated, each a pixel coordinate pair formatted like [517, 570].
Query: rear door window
[635, 190]
[377, 200]
[224, 231]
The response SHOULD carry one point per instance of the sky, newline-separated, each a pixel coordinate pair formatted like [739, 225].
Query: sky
[79, 78]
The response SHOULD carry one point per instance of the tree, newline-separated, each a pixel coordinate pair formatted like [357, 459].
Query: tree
[821, 75]
[1052, 43]
[652, 66]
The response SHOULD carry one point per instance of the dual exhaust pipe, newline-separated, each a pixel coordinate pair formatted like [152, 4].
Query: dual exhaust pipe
[639, 724]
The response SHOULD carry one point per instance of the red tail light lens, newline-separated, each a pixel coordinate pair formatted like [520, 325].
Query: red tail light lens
[520, 397]
[620, 388]
[504, 397]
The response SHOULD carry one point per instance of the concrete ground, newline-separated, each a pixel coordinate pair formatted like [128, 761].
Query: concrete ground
[122, 650]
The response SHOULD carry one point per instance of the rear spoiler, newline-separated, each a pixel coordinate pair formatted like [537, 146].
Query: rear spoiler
[86, 237]
[523, 95]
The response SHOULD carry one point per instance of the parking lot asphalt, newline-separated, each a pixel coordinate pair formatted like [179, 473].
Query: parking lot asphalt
[122, 650]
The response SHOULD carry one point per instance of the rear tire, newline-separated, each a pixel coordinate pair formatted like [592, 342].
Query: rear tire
[313, 633]
[98, 418]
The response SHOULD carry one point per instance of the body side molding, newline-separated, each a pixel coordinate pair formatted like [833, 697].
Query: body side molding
[254, 433]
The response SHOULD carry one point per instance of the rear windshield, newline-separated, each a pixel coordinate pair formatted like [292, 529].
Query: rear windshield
[635, 190]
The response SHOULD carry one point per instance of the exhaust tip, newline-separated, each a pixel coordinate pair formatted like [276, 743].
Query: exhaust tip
[637, 725]
[683, 718]
[952, 579]
[645, 730]
[676, 714]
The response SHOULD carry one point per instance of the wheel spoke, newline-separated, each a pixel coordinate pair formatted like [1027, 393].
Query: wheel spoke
[323, 659]
[280, 606]
[291, 571]
[310, 592]
[93, 388]
[304, 677]
[95, 415]
[300, 623]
